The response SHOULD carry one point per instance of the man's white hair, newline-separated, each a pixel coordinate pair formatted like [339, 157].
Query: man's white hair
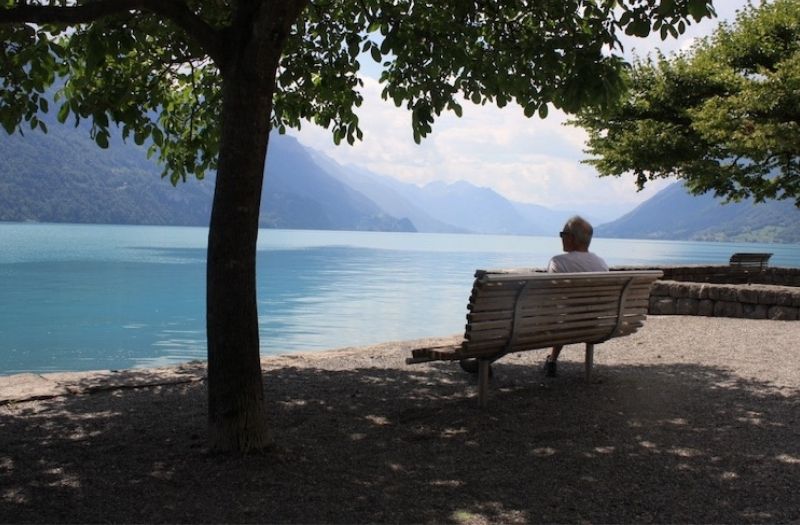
[580, 229]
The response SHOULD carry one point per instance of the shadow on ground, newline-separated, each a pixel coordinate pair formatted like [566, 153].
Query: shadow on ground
[671, 443]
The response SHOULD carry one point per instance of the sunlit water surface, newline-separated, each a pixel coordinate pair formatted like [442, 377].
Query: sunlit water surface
[82, 297]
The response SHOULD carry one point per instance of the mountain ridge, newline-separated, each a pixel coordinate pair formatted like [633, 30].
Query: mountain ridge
[675, 214]
[63, 177]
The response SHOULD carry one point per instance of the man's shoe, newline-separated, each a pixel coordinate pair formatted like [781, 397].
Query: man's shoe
[471, 366]
[550, 367]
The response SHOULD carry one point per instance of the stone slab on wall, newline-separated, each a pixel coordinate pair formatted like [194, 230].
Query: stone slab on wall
[725, 274]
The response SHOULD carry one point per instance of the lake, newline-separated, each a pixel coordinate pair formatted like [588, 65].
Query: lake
[84, 297]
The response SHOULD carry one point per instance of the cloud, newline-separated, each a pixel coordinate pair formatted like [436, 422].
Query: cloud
[525, 159]
[529, 160]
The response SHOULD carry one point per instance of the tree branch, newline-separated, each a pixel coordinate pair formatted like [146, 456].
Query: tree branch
[174, 10]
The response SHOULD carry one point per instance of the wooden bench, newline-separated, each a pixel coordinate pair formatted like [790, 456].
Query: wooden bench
[514, 312]
[750, 260]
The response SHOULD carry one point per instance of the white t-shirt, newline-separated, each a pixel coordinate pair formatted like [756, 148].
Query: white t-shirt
[577, 262]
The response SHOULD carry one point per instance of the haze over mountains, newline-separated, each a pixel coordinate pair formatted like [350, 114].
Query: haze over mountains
[64, 177]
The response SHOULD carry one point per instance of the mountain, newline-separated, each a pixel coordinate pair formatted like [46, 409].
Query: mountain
[299, 193]
[62, 176]
[551, 221]
[386, 192]
[673, 213]
[439, 207]
[479, 210]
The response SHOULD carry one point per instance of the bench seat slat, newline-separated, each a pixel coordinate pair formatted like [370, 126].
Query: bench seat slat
[491, 291]
[529, 308]
[531, 330]
[491, 348]
[554, 293]
[530, 301]
[530, 304]
[537, 322]
[496, 315]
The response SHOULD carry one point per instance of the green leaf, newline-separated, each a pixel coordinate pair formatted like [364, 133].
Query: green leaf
[376, 54]
[158, 137]
[101, 138]
[640, 28]
[543, 111]
[698, 9]
[666, 7]
[8, 125]
[529, 110]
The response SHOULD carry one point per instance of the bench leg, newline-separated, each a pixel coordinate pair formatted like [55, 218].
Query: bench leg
[483, 381]
[589, 360]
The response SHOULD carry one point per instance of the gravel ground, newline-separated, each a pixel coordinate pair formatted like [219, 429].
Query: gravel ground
[690, 420]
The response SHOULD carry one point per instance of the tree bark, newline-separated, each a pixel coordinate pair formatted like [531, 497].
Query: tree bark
[248, 63]
[237, 419]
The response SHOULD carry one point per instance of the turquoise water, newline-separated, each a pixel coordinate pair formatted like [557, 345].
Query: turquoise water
[82, 297]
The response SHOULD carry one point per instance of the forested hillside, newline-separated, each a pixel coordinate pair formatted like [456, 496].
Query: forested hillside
[65, 177]
[675, 214]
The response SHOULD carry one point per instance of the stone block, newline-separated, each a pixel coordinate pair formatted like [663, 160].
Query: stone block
[677, 289]
[660, 288]
[662, 306]
[729, 293]
[767, 296]
[787, 297]
[748, 294]
[686, 306]
[754, 311]
[705, 307]
[782, 313]
[728, 309]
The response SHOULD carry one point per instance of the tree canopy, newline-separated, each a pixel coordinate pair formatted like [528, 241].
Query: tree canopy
[725, 116]
[204, 81]
[155, 68]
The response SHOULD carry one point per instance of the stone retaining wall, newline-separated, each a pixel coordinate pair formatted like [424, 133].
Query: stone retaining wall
[752, 301]
[725, 291]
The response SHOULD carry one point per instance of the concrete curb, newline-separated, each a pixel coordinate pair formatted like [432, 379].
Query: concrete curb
[18, 388]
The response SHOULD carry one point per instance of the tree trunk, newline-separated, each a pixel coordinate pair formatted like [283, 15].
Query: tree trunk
[248, 63]
[237, 419]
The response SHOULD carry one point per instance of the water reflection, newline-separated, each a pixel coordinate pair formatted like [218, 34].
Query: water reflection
[90, 297]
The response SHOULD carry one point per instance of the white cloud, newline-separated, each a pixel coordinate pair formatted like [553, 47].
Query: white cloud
[528, 160]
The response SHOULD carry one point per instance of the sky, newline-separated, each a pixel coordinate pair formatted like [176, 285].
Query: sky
[528, 160]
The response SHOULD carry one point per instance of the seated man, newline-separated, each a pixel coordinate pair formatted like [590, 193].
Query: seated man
[575, 239]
